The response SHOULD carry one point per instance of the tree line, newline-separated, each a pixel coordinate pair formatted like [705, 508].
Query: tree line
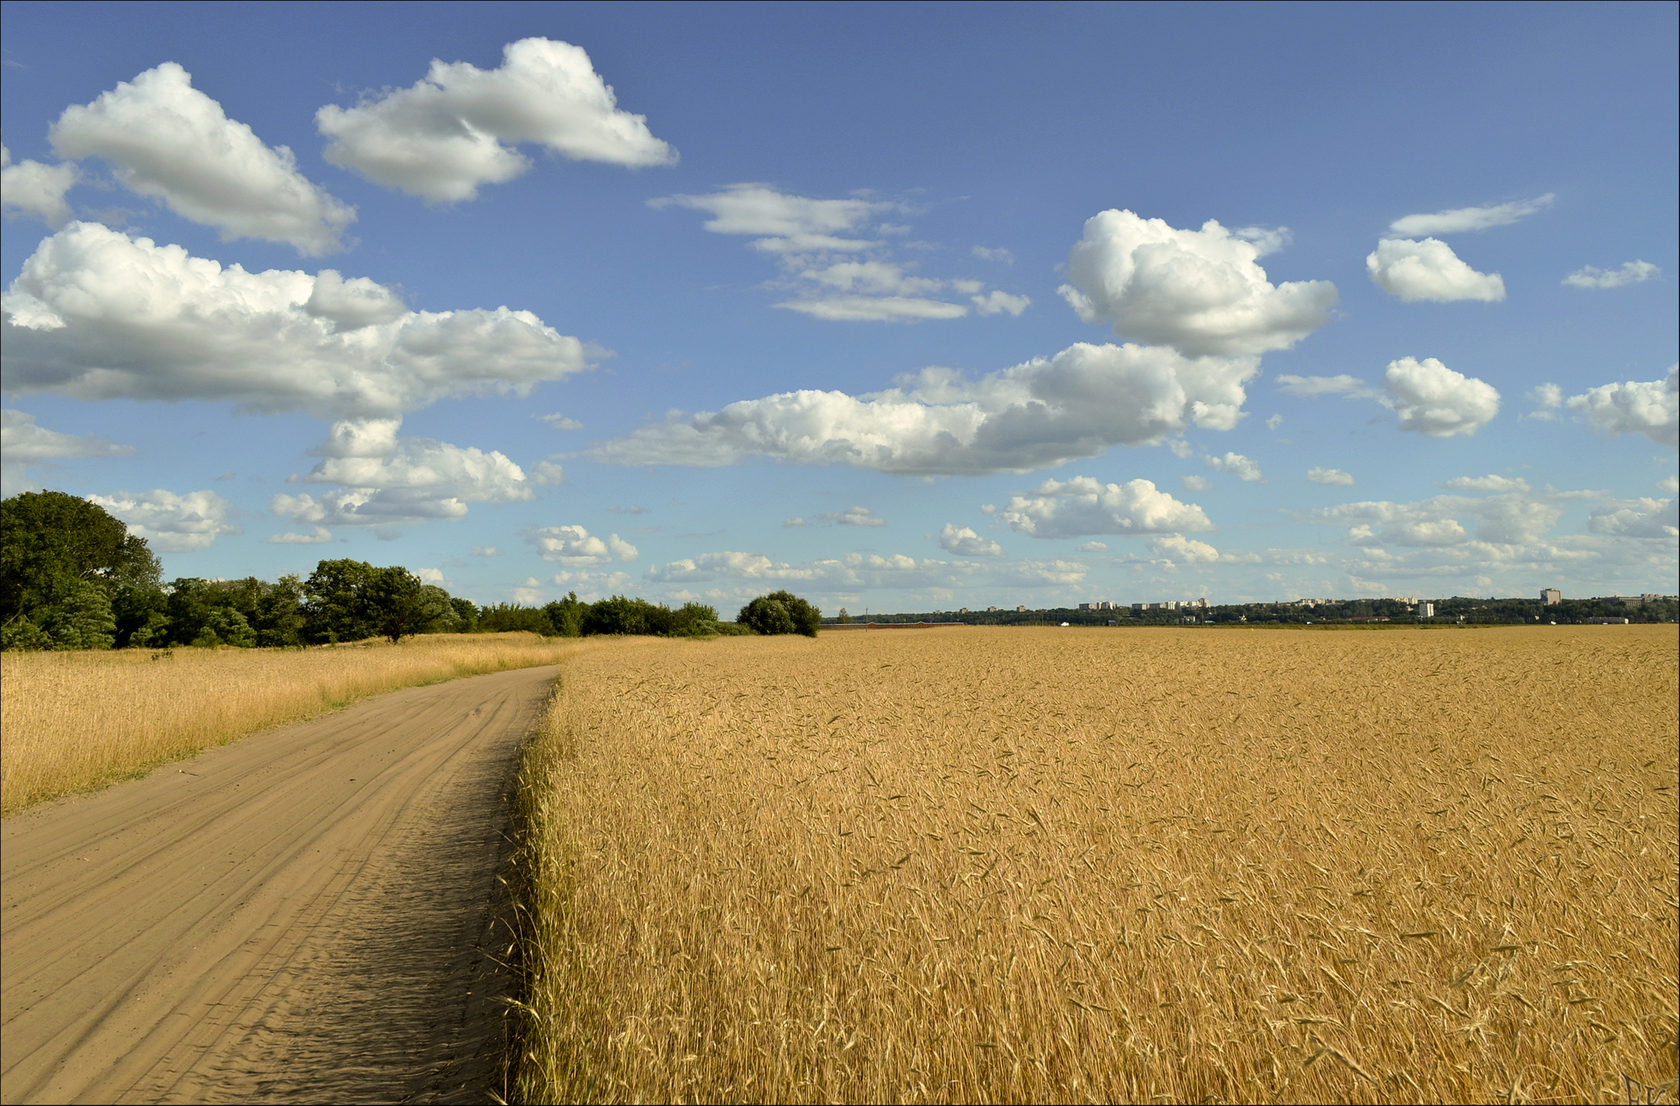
[72, 577]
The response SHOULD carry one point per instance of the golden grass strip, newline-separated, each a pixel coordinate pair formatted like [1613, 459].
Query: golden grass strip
[1064, 865]
[76, 721]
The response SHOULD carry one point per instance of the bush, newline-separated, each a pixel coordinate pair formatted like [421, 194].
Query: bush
[780, 612]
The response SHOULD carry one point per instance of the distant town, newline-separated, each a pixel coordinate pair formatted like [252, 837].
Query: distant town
[1550, 607]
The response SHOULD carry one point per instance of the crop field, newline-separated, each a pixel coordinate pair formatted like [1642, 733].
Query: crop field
[75, 721]
[1127, 865]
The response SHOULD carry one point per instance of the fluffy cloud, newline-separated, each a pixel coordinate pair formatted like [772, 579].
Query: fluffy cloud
[1465, 219]
[575, 547]
[168, 140]
[171, 523]
[1506, 519]
[1427, 396]
[1429, 270]
[1434, 400]
[456, 129]
[1199, 291]
[1178, 549]
[1631, 272]
[1634, 407]
[1237, 465]
[1083, 506]
[36, 188]
[964, 542]
[1044, 412]
[22, 441]
[98, 315]
[1333, 477]
[386, 481]
[1642, 518]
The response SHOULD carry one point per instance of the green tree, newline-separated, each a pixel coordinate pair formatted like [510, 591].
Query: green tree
[398, 603]
[566, 615]
[336, 603]
[50, 541]
[80, 618]
[781, 612]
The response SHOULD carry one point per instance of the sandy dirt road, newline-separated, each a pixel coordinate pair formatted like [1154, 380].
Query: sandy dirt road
[303, 916]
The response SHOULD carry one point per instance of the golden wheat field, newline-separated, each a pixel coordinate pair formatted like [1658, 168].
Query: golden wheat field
[75, 721]
[985, 865]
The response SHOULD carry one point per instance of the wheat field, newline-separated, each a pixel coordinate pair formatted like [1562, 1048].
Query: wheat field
[1049, 865]
[77, 721]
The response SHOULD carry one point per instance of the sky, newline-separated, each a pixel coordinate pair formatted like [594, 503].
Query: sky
[896, 307]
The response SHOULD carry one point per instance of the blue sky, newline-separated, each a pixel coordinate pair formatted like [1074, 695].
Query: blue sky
[897, 307]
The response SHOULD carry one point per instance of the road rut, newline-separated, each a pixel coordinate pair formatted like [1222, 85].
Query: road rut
[304, 915]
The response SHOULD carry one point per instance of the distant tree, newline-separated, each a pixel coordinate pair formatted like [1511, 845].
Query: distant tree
[466, 615]
[781, 612]
[616, 615]
[694, 620]
[80, 618]
[336, 601]
[843, 619]
[398, 603]
[566, 615]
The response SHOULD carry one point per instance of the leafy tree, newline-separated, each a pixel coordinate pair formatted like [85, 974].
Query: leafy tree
[335, 601]
[398, 603]
[466, 615]
[50, 542]
[616, 615]
[781, 612]
[694, 620]
[566, 615]
[81, 618]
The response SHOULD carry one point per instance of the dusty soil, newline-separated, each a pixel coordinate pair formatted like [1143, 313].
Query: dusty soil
[308, 915]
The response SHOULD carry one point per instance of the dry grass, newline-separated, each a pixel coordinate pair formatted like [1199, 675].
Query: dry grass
[77, 721]
[1063, 865]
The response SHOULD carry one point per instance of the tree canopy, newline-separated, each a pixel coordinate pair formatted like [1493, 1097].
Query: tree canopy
[780, 612]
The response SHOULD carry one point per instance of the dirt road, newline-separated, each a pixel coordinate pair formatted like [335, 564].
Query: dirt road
[303, 916]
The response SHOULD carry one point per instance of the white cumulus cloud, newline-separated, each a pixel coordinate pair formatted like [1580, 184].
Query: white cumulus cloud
[23, 441]
[1332, 477]
[1645, 407]
[166, 139]
[96, 314]
[576, 547]
[458, 127]
[36, 188]
[171, 523]
[1078, 403]
[1199, 291]
[1082, 506]
[964, 542]
[1435, 400]
[1429, 270]
[1243, 468]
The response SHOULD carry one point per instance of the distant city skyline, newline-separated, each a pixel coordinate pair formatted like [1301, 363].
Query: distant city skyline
[906, 308]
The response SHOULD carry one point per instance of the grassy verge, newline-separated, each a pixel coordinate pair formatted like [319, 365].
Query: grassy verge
[75, 722]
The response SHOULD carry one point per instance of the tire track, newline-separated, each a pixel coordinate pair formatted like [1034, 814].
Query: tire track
[300, 916]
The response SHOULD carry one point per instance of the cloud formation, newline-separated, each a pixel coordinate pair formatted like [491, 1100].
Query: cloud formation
[1427, 396]
[1429, 270]
[575, 547]
[96, 314]
[1198, 291]
[1243, 468]
[1630, 272]
[1331, 477]
[164, 138]
[457, 128]
[1461, 220]
[1083, 506]
[1078, 403]
[171, 523]
[837, 257]
[1645, 407]
[964, 542]
[36, 188]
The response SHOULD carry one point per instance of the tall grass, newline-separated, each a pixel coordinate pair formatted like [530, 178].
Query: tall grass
[76, 721]
[1058, 865]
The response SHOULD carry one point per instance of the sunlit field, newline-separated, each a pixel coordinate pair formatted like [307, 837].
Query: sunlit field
[75, 721]
[1117, 865]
